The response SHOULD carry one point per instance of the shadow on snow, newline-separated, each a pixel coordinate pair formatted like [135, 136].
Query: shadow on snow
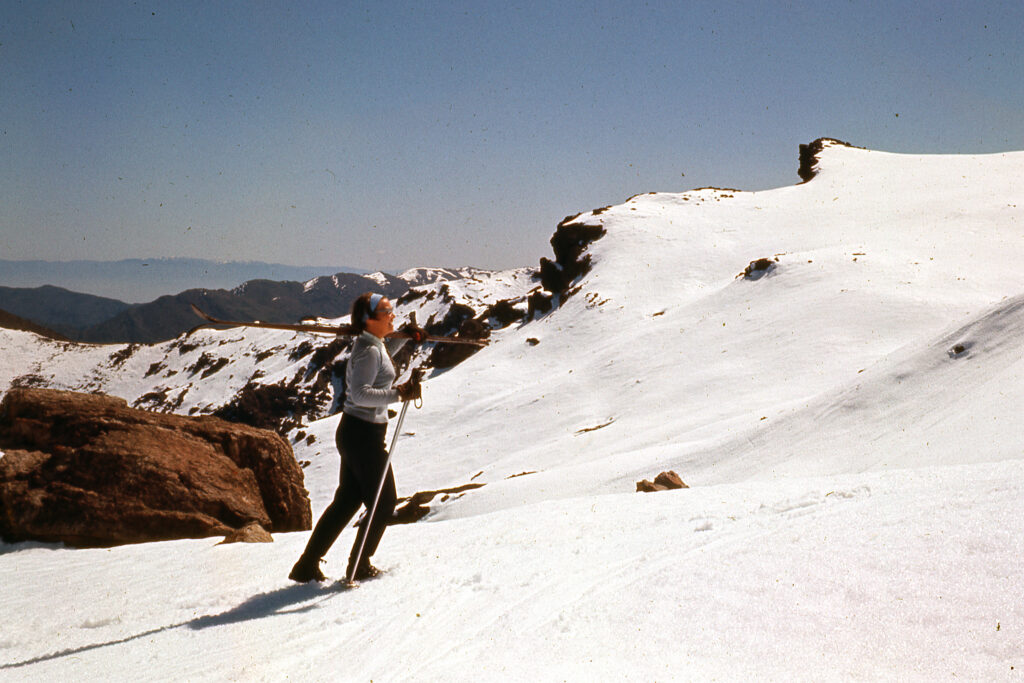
[294, 599]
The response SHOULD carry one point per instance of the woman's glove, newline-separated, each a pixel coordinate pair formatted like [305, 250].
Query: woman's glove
[416, 333]
[410, 391]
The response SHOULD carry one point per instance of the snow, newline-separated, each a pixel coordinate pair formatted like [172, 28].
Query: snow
[849, 425]
[379, 277]
[425, 275]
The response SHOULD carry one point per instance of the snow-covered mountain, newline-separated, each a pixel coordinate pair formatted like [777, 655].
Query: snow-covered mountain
[426, 275]
[88, 318]
[268, 378]
[835, 368]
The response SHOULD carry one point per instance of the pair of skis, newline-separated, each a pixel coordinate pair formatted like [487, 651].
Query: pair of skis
[342, 330]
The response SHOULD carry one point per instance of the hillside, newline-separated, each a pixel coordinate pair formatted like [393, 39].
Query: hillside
[59, 309]
[13, 322]
[92, 319]
[835, 368]
[271, 379]
[169, 316]
[879, 267]
[98, 320]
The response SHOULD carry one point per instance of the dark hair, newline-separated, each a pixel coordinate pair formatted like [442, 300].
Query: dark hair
[361, 311]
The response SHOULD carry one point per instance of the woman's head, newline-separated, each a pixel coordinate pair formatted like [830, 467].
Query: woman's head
[373, 312]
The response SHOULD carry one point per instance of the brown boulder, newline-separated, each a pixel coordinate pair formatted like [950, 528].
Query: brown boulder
[665, 481]
[670, 480]
[251, 533]
[87, 470]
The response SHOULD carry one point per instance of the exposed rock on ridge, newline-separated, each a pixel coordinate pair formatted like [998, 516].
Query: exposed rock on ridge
[569, 244]
[809, 156]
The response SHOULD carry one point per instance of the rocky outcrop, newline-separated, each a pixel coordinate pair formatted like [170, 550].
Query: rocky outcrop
[809, 156]
[757, 269]
[87, 470]
[569, 244]
[416, 506]
[665, 481]
[450, 355]
[312, 393]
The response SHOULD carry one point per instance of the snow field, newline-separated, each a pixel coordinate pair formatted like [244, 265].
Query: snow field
[856, 480]
[718, 582]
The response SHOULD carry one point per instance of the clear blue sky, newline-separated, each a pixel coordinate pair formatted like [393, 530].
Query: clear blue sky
[387, 135]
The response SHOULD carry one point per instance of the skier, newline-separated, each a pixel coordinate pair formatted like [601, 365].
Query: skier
[360, 439]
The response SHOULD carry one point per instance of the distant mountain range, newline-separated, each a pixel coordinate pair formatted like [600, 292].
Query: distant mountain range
[142, 280]
[89, 318]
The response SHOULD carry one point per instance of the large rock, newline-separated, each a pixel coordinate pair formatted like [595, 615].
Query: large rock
[666, 481]
[87, 470]
[569, 243]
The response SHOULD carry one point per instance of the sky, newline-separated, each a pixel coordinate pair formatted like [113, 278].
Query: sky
[393, 135]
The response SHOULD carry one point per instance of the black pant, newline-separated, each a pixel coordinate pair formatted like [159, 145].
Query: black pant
[363, 455]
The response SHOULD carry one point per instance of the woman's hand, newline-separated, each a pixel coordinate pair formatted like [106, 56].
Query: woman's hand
[416, 333]
[410, 391]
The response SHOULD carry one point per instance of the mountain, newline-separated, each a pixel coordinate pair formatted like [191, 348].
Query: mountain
[265, 300]
[13, 322]
[142, 280]
[835, 368]
[425, 275]
[60, 309]
[273, 379]
[88, 318]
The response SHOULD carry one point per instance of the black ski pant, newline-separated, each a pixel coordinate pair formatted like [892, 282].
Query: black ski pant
[363, 455]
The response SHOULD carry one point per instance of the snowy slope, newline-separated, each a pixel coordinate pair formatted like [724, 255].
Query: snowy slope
[426, 275]
[201, 372]
[692, 368]
[849, 424]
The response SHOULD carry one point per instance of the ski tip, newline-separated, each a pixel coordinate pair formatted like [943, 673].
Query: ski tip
[202, 314]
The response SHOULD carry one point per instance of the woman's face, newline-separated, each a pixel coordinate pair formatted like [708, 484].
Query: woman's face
[383, 321]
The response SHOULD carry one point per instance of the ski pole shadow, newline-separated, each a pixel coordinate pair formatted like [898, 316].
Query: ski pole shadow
[71, 652]
[294, 599]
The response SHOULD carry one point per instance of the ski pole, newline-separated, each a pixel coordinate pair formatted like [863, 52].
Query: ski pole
[380, 487]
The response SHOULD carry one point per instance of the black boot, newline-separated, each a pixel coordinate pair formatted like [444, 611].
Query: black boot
[307, 569]
[364, 571]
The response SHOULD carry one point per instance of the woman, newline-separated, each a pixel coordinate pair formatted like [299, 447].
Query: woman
[360, 439]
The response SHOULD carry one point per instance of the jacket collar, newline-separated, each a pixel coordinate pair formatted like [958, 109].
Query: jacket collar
[372, 339]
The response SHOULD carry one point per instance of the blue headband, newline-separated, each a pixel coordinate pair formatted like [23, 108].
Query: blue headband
[374, 300]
